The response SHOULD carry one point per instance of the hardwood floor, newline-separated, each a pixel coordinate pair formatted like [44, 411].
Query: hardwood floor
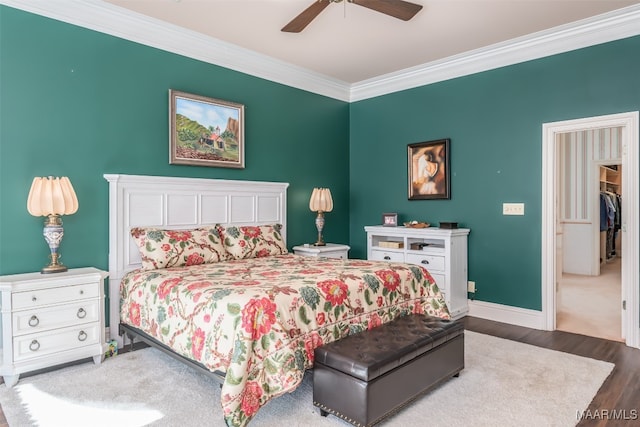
[619, 396]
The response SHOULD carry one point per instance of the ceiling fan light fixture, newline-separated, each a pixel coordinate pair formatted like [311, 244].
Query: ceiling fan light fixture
[400, 9]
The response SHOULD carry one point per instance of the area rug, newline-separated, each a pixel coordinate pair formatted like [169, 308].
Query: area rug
[504, 383]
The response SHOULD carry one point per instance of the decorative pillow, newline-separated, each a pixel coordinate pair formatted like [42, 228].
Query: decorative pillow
[253, 241]
[178, 248]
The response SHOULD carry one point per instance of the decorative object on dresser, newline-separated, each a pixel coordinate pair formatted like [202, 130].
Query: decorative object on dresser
[443, 252]
[320, 202]
[205, 131]
[51, 320]
[449, 225]
[52, 197]
[329, 250]
[390, 219]
[416, 224]
[392, 244]
[429, 170]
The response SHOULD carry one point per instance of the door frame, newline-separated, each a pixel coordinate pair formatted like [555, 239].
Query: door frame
[630, 215]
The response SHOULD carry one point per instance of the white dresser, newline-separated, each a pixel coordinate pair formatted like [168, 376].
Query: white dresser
[50, 319]
[443, 252]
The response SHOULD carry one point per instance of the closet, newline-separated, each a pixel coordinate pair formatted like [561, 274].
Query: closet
[610, 212]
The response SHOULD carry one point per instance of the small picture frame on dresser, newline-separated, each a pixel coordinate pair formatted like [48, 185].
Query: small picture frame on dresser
[390, 219]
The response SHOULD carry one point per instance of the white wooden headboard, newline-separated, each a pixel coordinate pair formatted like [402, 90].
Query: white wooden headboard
[180, 203]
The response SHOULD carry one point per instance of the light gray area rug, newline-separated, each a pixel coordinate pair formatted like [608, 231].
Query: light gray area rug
[504, 383]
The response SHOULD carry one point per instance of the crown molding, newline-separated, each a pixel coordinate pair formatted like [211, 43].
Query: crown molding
[109, 19]
[615, 25]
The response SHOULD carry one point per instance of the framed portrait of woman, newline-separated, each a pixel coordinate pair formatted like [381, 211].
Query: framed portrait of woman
[429, 170]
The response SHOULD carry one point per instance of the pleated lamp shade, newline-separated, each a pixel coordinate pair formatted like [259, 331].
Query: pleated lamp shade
[52, 196]
[321, 200]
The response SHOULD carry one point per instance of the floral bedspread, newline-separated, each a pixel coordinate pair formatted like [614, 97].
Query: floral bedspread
[259, 320]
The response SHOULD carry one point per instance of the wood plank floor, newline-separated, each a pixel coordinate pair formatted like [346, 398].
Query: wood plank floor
[619, 396]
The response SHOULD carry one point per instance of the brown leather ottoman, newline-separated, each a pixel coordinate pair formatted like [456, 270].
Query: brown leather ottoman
[369, 375]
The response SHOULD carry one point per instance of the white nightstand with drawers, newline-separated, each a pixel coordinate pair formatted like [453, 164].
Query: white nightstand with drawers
[443, 252]
[330, 250]
[51, 319]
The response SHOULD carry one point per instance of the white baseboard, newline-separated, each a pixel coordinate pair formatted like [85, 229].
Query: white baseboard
[507, 314]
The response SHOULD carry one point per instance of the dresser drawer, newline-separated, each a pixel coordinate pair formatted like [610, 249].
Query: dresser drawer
[41, 344]
[430, 262]
[335, 254]
[377, 255]
[40, 297]
[30, 321]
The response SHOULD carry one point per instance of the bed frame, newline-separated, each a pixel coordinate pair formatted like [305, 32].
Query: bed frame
[179, 203]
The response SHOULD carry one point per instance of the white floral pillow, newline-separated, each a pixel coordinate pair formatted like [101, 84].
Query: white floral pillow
[253, 241]
[178, 248]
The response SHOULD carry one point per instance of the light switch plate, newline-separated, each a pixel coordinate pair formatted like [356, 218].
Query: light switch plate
[513, 209]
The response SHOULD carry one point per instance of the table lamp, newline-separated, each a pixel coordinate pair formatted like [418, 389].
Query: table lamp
[52, 197]
[320, 202]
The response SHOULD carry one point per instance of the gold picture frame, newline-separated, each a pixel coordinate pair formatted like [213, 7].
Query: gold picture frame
[205, 131]
[429, 165]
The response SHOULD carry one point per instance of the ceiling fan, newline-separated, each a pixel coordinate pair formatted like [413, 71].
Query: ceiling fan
[397, 8]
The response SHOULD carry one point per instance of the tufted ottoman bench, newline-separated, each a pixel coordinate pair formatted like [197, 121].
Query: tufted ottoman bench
[369, 375]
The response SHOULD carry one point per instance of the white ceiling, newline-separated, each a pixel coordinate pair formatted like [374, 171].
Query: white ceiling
[349, 48]
[352, 43]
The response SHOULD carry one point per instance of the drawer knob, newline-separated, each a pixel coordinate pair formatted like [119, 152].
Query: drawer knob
[81, 291]
[34, 321]
[425, 261]
[34, 299]
[387, 257]
[34, 346]
[82, 336]
[81, 313]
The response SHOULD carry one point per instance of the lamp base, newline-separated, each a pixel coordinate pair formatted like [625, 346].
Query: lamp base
[53, 233]
[320, 226]
[51, 268]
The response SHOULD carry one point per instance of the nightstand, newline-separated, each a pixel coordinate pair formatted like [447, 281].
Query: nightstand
[330, 250]
[51, 319]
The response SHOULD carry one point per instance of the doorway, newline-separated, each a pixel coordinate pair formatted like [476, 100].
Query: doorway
[588, 258]
[588, 280]
[552, 232]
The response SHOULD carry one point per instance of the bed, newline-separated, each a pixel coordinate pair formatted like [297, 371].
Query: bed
[244, 309]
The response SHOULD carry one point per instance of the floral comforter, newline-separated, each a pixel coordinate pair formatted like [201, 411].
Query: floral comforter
[259, 320]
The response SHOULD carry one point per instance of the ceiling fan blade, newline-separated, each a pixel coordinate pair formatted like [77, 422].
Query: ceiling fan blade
[397, 8]
[298, 23]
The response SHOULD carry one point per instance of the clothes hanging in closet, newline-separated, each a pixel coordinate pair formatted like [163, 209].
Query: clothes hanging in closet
[610, 219]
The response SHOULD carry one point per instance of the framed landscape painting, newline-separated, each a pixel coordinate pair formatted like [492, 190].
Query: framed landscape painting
[429, 170]
[205, 131]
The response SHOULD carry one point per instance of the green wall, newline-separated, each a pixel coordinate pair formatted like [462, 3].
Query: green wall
[494, 120]
[78, 103]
